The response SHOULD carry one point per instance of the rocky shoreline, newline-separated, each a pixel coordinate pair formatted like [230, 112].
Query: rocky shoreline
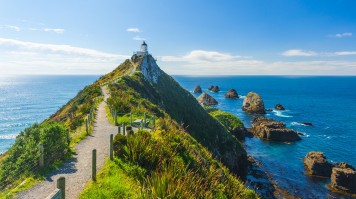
[342, 175]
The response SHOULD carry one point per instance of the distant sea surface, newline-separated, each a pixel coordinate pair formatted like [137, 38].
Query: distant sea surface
[329, 103]
[25, 100]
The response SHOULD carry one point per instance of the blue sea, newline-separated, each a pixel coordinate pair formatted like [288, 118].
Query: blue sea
[329, 103]
[25, 100]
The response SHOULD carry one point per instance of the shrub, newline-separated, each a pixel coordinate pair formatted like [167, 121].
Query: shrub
[23, 156]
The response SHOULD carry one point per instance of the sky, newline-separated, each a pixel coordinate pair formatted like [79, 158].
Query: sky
[200, 37]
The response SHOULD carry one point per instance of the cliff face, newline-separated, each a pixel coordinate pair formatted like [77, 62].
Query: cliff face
[185, 110]
[150, 69]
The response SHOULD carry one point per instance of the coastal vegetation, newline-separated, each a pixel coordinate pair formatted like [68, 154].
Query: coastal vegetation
[173, 160]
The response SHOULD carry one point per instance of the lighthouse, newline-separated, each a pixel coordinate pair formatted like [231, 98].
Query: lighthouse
[143, 51]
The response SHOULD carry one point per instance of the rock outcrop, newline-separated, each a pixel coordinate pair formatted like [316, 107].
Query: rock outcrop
[150, 69]
[197, 89]
[343, 179]
[279, 107]
[232, 94]
[253, 103]
[270, 129]
[214, 88]
[317, 165]
[206, 99]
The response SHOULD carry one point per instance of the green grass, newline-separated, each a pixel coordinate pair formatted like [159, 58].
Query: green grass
[229, 120]
[112, 182]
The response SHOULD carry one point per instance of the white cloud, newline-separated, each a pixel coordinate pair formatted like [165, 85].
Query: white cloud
[299, 53]
[200, 56]
[138, 38]
[10, 27]
[55, 30]
[133, 30]
[345, 53]
[340, 35]
[30, 57]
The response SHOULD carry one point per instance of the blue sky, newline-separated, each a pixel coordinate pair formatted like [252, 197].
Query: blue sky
[245, 37]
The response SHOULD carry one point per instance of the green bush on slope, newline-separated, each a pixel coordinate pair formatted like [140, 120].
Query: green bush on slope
[24, 155]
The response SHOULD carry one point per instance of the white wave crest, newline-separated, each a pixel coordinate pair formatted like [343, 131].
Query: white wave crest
[280, 114]
[297, 124]
[242, 96]
[8, 136]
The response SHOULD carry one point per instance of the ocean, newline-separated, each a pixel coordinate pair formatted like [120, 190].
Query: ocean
[25, 100]
[329, 103]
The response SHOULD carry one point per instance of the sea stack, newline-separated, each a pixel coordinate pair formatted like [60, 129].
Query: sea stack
[206, 100]
[232, 94]
[253, 103]
[317, 165]
[269, 129]
[343, 178]
[197, 89]
[279, 107]
[214, 88]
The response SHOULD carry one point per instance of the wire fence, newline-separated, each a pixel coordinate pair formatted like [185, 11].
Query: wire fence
[138, 120]
[50, 150]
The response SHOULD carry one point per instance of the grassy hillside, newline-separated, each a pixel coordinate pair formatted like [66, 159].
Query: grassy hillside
[168, 162]
[184, 109]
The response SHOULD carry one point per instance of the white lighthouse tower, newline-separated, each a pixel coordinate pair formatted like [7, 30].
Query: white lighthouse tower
[144, 50]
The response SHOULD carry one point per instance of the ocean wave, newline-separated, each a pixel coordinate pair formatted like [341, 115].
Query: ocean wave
[242, 96]
[297, 124]
[8, 136]
[280, 114]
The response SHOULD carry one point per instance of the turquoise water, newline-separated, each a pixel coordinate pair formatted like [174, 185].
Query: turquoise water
[25, 100]
[329, 103]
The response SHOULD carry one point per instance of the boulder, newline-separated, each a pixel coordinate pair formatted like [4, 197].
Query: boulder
[215, 89]
[253, 103]
[206, 100]
[211, 87]
[344, 165]
[317, 165]
[270, 129]
[197, 89]
[232, 94]
[279, 107]
[343, 180]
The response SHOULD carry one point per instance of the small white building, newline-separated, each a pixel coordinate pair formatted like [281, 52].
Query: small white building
[143, 51]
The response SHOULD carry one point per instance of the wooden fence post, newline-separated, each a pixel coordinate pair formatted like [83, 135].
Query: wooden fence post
[115, 116]
[111, 147]
[123, 129]
[93, 167]
[41, 149]
[119, 129]
[144, 120]
[61, 184]
[130, 118]
[154, 122]
[86, 126]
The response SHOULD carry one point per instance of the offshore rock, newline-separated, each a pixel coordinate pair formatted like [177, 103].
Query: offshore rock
[206, 100]
[214, 88]
[253, 103]
[270, 129]
[317, 165]
[232, 94]
[343, 180]
[197, 89]
[279, 107]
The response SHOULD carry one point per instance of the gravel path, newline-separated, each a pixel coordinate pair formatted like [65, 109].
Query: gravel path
[77, 170]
